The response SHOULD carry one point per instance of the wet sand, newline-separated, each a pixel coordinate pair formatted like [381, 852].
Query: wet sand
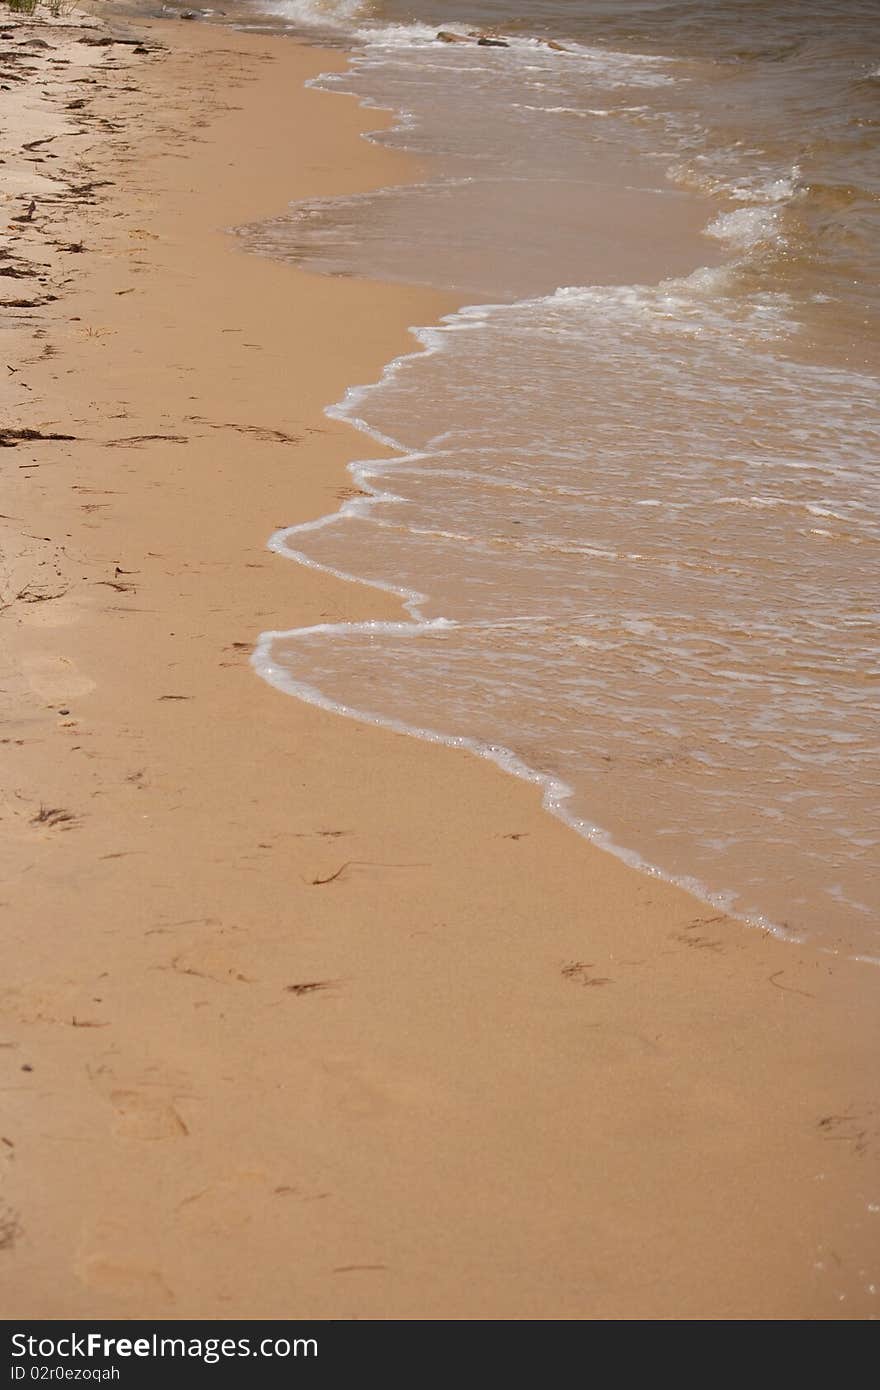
[301, 1018]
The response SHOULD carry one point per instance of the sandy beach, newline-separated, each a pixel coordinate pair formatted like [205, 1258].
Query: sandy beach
[299, 1017]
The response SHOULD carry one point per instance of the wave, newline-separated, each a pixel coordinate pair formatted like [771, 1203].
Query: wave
[317, 13]
[708, 349]
[555, 793]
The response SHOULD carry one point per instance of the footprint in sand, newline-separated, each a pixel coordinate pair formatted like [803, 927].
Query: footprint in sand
[115, 1277]
[228, 1204]
[144, 1099]
[55, 678]
[361, 1091]
[55, 1002]
[140, 1115]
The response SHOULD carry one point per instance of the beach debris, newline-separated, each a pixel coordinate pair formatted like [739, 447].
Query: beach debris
[107, 40]
[365, 864]
[9, 437]
[86, 188]
[265, 432]
[789, 989]
[700, 943]
[133, 440]
[484, 39]
[27, 303]
[317, 882]
[27, 594]
[309, 986]
[52, 815]
[10, 1229]
[578, 972]
[850, 1128]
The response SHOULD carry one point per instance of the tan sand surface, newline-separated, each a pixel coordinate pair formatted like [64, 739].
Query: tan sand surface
[300, 1018]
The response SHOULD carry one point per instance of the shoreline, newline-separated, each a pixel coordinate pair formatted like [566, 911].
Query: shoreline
[307, 1018]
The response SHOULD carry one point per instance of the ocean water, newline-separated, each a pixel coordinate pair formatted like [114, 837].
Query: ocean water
[631, 504]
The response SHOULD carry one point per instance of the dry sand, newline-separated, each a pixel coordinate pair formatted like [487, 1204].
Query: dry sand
[481, 1071]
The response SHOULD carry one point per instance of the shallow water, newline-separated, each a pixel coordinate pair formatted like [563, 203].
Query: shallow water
[633, 510]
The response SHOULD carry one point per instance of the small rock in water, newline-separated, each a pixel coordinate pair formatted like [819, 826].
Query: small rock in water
[445, 37]
[558, 47]
[485, 42]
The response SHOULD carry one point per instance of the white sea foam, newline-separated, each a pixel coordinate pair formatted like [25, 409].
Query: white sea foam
[555, 793]
[748, 227]
[312, 13]
[572, 314]
[597, 510]
[378, 38]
